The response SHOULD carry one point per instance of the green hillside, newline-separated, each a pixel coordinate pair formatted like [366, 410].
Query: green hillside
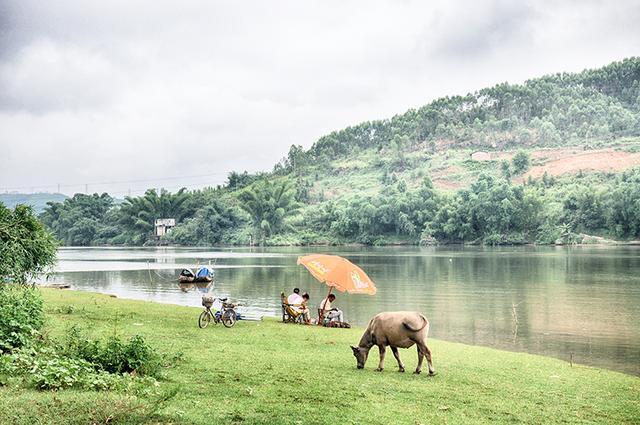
[594, 110]
[37, 200]
[556, 110]
[553, 160]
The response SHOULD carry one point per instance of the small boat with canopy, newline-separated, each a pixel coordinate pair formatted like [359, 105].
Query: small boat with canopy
[202, 275]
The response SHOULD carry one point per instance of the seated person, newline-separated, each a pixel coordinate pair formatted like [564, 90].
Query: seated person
[304, 309]
[295, 299]
[331, 313]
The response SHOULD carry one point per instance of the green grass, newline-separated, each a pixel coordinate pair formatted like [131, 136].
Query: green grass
[268, 372]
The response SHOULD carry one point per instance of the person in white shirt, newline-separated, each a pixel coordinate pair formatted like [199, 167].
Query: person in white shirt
[330, 312]
[294, 300]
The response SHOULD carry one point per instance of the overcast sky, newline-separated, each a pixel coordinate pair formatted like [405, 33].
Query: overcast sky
[138, 91]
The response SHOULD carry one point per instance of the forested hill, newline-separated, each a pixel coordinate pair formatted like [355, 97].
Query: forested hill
[553, 160]
[555, 110]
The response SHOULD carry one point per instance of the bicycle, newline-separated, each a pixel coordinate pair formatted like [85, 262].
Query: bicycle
[227, 313]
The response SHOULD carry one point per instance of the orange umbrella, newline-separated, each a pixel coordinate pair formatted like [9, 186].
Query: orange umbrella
[339, 273]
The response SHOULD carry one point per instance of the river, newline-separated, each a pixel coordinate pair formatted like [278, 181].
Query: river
[565, 302]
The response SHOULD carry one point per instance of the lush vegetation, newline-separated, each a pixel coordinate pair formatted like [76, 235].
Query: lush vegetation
[410, 178]
[29, 356]
[269, 372]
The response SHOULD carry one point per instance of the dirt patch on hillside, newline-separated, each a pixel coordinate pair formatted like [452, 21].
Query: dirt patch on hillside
[444, 184]
[563, 161]
[542, 155]
[446, 178]
[446, 172]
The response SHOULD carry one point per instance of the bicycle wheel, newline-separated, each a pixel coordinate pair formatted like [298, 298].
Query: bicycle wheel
[204, 319]
[229, 318]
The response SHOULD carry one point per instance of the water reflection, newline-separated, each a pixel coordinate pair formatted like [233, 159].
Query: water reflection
[584, 301]
[203, 287]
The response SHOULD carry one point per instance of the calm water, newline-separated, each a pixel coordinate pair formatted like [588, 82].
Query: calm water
[550, 301]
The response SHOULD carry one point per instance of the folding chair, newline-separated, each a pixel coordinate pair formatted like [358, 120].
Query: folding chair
[289, 313]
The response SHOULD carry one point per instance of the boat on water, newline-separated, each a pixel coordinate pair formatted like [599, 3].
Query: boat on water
[202, 275]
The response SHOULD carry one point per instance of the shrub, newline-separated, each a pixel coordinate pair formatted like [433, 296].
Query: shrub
[21, 316]
[65, 309]
[115, 356]
[135, 356]
[504, 239]
[521, 162]
[548, 234]
[381, 241]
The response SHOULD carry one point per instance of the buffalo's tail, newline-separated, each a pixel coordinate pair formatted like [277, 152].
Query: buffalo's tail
[424, 325]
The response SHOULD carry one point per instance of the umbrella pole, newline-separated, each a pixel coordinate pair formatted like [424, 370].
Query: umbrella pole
[323, 306]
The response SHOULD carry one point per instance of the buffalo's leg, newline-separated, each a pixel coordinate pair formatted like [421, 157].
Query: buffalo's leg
[396, 354]
[383, 350]
[421, 355]
[429, 362]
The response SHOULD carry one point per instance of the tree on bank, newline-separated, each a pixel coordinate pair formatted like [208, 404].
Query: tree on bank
[81, 220]
[27, 249]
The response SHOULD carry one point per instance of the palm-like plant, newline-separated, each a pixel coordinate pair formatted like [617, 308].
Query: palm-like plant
[269, 203]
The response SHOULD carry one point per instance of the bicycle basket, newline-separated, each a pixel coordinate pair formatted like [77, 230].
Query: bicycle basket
[207, 301]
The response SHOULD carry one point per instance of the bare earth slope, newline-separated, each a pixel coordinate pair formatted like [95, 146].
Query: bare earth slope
[564, 161]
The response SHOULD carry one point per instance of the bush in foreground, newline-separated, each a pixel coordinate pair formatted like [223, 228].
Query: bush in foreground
[21, 316]
[83, 363]
[135, 356]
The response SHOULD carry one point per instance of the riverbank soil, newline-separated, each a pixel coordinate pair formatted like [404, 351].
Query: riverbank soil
[268, 372]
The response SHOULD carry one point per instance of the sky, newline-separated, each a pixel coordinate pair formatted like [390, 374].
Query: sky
[122, 95]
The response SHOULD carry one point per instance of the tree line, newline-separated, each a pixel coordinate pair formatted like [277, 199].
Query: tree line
[231, 214]
[493, 210]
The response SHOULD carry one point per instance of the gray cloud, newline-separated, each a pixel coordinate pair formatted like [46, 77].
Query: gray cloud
[137, 87]
[481, 30]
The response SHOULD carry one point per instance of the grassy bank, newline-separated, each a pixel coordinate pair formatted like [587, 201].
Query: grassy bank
[267, 372]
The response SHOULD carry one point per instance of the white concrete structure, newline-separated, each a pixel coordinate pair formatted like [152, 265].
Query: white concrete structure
[164, 226]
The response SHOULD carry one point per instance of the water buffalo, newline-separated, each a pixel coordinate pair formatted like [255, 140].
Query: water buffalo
[395, 329]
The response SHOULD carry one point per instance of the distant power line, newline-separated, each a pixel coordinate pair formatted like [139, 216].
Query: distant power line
[86, 185]
[191, 186]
